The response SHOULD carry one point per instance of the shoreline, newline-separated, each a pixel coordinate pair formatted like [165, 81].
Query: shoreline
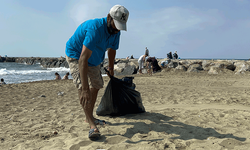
[129, 67]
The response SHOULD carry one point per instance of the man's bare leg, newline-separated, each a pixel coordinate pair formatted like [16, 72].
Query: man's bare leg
[94, 93]
[88, 110]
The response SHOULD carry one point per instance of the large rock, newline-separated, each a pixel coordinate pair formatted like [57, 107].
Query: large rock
[64, 64]
[30, 61]
[9, 59]
[181, 68]
[36, 61]
[104, 63]
[185, 63]
[120, 66]
[214, 70]
[46, 64]
[2, 59]
[57, 65]
[53, 64]
[225, 64]
[132, 62]
[206, 64]
[128, 70]
[241, 67]
[188, 63]
[172, 64]
[195, 68]
[218, 70]
[121, 61]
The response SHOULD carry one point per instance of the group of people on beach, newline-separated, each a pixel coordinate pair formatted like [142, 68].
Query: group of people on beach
[58, 77]
[172, 56]
[151, 63]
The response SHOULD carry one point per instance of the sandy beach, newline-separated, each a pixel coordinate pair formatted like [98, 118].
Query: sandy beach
[184, 111]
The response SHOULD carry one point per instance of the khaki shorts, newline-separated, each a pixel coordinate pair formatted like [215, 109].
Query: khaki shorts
[94, 74]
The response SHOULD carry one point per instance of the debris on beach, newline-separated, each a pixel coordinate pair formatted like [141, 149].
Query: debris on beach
[60, 93]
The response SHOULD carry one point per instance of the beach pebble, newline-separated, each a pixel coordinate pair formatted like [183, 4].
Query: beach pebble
[60, 93]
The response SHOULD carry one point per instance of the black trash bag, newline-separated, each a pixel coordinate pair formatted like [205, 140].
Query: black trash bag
[120, 98]
[128, 81]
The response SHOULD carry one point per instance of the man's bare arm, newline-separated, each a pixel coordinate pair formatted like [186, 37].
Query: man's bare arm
[83, 69]
[111, 57]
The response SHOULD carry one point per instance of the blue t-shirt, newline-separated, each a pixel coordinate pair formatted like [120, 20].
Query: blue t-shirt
[95, 36]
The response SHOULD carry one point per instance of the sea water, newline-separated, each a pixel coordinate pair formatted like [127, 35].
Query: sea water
[17, 73]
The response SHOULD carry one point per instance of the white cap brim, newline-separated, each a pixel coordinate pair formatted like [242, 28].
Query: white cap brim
[120, 25]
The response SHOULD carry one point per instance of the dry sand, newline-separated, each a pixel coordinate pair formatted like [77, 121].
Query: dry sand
[183, 111]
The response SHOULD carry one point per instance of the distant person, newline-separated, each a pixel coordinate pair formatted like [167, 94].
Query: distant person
[131, 57]
[66, 76]
[2, 82]
[175, 55]
[127, 57]
[58, 77]
[152, 61]
[141, 62]
[169, 57]
[147, 51]
[164, 64]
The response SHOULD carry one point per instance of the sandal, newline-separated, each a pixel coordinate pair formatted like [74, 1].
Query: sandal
[94, 135]
[99, 122]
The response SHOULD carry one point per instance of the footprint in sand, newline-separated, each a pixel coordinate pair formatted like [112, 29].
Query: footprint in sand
[79, 145]
[115, 140]
[74, 131]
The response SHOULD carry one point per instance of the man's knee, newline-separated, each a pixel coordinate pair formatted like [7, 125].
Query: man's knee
[94, 90]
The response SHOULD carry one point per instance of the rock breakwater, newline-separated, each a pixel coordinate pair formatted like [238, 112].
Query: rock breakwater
[130, 66]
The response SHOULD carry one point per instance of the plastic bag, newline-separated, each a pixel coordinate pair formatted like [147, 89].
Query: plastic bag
[120, 98]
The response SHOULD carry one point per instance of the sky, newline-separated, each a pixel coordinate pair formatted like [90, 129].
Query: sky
[207, 29]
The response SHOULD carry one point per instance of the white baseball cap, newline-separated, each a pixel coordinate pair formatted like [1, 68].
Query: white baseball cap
[120, 15]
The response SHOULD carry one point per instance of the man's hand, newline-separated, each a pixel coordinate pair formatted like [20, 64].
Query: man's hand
[111, 72]
[85, 98]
